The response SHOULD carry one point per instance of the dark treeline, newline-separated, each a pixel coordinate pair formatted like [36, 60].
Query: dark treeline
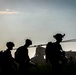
[55, 62]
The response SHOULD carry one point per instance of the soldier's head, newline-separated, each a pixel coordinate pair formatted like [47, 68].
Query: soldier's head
[59, 37]
[28, 42]
[10, 45]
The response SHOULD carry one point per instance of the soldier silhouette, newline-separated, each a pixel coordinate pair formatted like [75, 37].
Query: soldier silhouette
[54, 53]
[22, 57]
[8, 60]
[39, 55]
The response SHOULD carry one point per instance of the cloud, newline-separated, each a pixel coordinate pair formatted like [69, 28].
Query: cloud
[8, 12]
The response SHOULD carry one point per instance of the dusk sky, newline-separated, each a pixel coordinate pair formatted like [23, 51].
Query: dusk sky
[37, 20]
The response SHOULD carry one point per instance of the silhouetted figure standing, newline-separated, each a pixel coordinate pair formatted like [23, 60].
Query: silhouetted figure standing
[1, 62]
[39, 55]
[22, 57]
[54, 53]
[8, 60]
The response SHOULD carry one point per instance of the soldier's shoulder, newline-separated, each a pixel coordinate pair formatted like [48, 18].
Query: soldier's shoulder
[49, 43]
[19, 47]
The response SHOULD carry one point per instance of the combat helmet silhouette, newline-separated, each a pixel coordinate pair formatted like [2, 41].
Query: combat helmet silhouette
[10, 44]
[58, 36]
[28, 42]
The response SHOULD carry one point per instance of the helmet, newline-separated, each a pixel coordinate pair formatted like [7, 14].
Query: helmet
[28, 41]
[58, 35]
[10, 44]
